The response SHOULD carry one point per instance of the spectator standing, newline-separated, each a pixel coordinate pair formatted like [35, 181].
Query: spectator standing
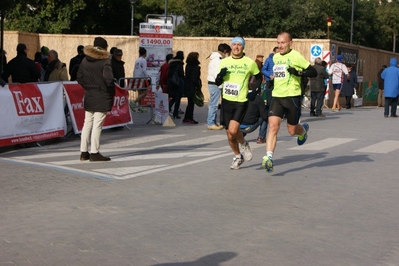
[213, 89]
[163, 74]
[21, 68]
[337, 71]
[235, 73]
[192, 84]
[38, 64]
[267, 73]
[44, 50]
[118, 67]
[56, 70]
[176, 91]
[289, 68]
[390, 75]
[76, 59]
[112, 50]
[3, 60]
[95, 75]
[317, 89]
[140, 71]
[380, 97]
[259, 63]
[349, 86]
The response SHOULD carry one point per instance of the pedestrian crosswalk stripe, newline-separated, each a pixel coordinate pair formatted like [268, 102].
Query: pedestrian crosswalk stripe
[122, 171]
[173, 166]
[150, 156]
[322, 144]
[381, 147]
[197, 141]
[139, 140]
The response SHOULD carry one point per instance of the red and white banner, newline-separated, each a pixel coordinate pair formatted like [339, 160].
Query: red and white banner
[31, 112]
[119, 115]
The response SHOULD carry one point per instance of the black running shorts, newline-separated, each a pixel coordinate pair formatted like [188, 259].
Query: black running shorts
[289, 107]
[232, 111]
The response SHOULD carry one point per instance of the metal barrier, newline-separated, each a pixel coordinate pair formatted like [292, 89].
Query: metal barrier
[137, 87]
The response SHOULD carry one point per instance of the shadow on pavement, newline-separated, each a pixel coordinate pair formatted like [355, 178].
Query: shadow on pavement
[214, 259]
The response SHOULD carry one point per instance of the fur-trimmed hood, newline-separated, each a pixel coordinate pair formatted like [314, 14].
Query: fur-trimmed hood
[176, 61]
[95, 53]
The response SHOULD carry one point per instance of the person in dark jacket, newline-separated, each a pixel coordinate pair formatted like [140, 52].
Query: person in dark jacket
[95, 75]
[118, 67]
[76, 59]
[317, 89]
[380, 97]
[21, 68]
[257, 112]
[176, 92]
[192, 85]
[349, 85]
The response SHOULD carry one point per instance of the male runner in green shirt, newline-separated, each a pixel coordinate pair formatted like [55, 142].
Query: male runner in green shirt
[235, 72]
[289, 67]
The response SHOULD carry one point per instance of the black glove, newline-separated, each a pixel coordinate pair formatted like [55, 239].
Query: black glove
[219, 77]
[223, 72]
[252, 95]
[293, 71]
[2, 82]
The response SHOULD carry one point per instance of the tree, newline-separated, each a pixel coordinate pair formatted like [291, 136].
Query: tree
[42, 16]
[387, 15]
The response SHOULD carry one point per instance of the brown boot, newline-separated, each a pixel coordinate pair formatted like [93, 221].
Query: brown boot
[84, 156]
[97, 157]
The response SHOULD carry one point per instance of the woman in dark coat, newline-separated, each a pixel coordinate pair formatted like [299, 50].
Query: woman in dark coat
[192, 85]
[349, 85]
[176, 91]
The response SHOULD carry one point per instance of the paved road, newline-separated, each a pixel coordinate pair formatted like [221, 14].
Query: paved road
[168, 197]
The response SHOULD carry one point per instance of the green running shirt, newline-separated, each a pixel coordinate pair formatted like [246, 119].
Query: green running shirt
[235, 83]
[285, 84]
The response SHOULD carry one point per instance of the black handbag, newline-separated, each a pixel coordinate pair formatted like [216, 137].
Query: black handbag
[174, 80]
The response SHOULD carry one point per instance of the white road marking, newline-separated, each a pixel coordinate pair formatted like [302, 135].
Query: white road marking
[132, 175]
[322, 144]
[151, 156]
[381, 147]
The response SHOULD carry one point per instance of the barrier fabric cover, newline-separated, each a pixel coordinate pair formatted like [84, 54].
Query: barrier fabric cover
[119, 115]
[31, 112]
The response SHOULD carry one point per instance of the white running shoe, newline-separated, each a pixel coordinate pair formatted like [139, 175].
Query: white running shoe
[237, 162]
[247, 152]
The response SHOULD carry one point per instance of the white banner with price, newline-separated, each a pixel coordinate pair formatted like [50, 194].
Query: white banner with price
[158, 40]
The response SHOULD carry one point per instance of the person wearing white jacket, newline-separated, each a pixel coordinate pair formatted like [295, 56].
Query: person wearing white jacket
[224, 50]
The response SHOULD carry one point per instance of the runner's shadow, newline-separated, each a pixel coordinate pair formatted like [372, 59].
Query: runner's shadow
[338, 161]
[215, 259]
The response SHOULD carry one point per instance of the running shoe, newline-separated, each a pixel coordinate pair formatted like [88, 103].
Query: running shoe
[247, 152]
[142, 110]
[260, 140]
[302, 138]
[237, 162]
[267, 164]
[133, 106]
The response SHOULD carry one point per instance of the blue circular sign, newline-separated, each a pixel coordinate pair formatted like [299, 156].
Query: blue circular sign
[316, 50]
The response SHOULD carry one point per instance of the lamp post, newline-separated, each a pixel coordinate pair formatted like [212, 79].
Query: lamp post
[353, 9]
[329, 20]
[132, 2]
